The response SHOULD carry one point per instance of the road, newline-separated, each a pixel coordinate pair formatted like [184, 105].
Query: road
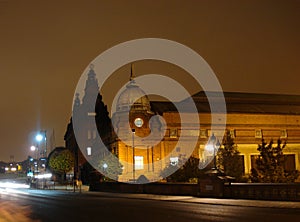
[20, 205]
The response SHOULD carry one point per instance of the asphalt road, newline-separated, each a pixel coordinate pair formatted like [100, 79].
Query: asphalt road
[20, 205]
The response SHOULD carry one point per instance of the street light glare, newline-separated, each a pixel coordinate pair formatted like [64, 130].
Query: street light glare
[209, 147]
[32, 148]
[39, 137]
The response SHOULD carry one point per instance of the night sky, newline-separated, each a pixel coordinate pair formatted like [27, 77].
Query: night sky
[46, 45]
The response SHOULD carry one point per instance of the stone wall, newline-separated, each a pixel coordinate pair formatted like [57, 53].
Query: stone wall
[259, 191]
[151, 188]
[263, 191]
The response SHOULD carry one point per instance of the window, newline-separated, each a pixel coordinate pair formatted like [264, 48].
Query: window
[283, 133]
[139, 162]
[89, 151]
[232, 133]
[253, 161]
[241, 160]
[258, 133]
[173, 133]
[203, 133]
[115, 151]
[94, 134]
[289, 162]
[89, 136]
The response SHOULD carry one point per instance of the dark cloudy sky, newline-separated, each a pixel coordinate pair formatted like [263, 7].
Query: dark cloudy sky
[252, 46]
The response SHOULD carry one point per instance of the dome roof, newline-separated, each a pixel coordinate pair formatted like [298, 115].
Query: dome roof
[134, 96]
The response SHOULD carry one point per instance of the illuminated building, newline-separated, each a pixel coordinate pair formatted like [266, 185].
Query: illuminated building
[250, 117]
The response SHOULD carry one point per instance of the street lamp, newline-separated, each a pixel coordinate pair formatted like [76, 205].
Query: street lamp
[213, 144]
[42, 136]
[32, 148]
[35, 149]
[133, 154]
[76, 171]
[105, 166]
[39, 137]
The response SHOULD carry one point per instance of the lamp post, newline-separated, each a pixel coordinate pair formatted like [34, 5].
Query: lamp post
[133, 154]
[39, 137]
[36, 164]
[105, 167]
[42, 136]
[213, 144]
[76, 162]
[35, 149]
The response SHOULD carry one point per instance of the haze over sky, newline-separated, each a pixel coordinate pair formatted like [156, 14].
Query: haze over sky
[252, 46]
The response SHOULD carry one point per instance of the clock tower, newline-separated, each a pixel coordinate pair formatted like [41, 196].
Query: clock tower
[133, 124]
[133, 111]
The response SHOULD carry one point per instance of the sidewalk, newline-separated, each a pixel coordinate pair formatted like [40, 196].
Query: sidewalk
[199, 200]
[68, 187]
[185, 199]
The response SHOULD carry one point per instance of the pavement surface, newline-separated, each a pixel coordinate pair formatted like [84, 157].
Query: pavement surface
[201, 200]
[186, 199]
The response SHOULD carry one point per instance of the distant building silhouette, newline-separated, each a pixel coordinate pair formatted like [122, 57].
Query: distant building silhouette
[87, 113]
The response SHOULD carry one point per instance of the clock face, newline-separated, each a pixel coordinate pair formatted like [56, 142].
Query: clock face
[138, 122]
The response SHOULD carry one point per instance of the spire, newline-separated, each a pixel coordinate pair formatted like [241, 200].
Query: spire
[91, 74]
[132, 73]
[91, 85]
[91, 90]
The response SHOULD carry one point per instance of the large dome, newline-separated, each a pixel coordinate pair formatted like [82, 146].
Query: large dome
[133, 95]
